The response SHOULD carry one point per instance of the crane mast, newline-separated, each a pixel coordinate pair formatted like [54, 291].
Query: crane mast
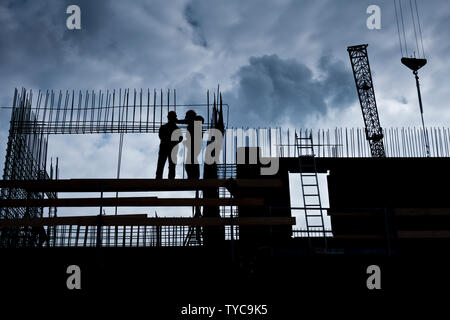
[364, 85]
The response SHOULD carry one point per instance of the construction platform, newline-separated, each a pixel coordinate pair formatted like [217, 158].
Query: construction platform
[390, 212]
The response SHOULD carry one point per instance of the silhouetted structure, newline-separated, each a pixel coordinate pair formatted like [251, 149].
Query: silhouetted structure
[226, 199]
[246, 242]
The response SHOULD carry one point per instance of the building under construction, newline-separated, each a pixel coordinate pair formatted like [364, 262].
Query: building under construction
[387, 203]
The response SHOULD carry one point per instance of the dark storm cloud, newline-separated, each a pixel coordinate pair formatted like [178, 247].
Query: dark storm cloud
[121, 44]
[272, 90]
[28, 38]
[42, 53]
[198, 37]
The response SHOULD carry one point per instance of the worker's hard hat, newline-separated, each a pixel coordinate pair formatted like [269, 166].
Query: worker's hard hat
[172, 115]
[190, 113]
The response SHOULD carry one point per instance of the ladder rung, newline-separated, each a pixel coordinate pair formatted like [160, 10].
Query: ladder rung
[310, 185]
[311, 195]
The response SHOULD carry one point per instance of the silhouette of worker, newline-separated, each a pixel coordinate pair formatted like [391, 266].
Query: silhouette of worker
[166, 145]
[195, 143]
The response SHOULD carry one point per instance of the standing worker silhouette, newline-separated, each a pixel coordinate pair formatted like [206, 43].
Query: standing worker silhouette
[194, 143]
[194, 146]
[167, 145]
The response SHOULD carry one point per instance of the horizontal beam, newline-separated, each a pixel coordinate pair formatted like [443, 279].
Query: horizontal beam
[355, 212]
[433, 234]
[129, 202]
[422, 234]
[422, 212]
[135, 185]
[142, 220]
[358, 236]
[400, 212]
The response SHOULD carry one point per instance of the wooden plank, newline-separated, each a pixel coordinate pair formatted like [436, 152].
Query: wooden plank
[357, 212]
[144, 221]
[354, 213]
[358, 236]
[129, 202]
[421, 234]
[135, 185]
[422, 212]
[433, 234]
[397, 212]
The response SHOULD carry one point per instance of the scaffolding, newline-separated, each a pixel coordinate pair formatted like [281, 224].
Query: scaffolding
[82, 113]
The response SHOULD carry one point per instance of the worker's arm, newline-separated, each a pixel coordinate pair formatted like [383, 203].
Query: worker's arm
[180, 138]
[161, 133]
[200, 118]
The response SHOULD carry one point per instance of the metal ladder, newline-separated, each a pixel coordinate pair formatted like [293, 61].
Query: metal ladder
[310, 187]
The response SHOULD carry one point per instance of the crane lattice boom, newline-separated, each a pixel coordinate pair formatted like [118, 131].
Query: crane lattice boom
[366, 94]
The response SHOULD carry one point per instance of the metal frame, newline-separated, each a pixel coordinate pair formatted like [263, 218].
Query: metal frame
[102, 112]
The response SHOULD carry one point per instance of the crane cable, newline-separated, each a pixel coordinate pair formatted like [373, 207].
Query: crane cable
[403, 24]
[401, 30]
[398, 28]
[420, 29]
[414, 27]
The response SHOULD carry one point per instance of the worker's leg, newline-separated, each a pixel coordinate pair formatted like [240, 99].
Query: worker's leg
[188, 168]
[172, 161]
[172, 167]
[162, 156]
[196, 171]
[193, 169]
[190, 163]
[196, 166]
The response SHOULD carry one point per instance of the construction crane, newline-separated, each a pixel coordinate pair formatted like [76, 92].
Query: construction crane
[366, 94]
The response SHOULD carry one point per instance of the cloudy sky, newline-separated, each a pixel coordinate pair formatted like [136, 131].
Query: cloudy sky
[278, 63]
